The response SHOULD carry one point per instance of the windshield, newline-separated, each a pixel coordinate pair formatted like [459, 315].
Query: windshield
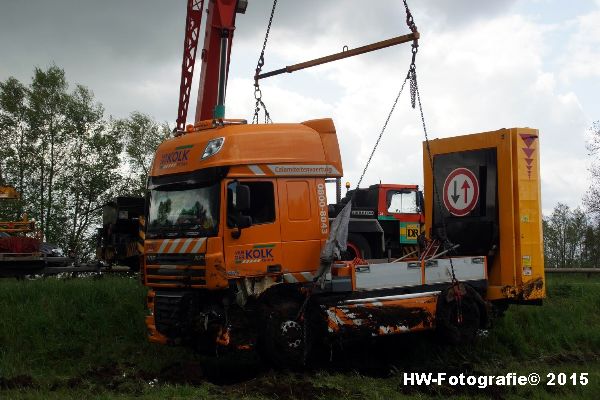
[402, 202]
[184, 211]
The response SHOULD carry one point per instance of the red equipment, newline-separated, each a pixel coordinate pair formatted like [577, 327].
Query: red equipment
[219, 27]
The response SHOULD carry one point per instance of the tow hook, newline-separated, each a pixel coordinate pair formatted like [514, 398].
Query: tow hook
[223, 338]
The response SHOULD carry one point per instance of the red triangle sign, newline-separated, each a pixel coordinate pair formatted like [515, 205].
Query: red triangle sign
[528, 139]
[528, 151]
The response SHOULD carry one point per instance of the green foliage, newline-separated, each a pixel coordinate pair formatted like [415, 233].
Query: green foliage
[66, 159]
[592, 197]
[141, 135]
[571, 239]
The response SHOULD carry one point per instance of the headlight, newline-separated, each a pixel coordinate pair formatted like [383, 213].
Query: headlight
[212, 147]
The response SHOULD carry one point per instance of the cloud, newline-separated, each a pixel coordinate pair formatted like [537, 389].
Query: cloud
[582, 58]
[489, 76]
[481, 66]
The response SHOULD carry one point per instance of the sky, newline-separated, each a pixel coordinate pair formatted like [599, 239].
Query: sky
[482, 66]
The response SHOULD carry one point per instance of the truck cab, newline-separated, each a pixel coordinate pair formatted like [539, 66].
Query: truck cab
[233, 205]
[386, 220]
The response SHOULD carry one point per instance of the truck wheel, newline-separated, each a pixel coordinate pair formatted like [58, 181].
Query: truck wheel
[450, 327]
[358, 246]
[281, 341]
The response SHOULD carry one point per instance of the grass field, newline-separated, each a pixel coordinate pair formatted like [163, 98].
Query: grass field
[76, 338]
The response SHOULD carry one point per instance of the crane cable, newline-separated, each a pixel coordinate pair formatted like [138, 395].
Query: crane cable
[411, 71]
[415, 99]
[259, 65]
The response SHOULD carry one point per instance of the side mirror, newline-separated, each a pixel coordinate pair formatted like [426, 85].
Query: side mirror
[242, 221]
[242, 197]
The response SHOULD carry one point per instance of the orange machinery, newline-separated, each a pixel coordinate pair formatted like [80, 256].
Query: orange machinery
[19, 254]
[237, 216]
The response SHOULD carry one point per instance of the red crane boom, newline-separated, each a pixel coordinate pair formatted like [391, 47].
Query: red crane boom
[218, 35]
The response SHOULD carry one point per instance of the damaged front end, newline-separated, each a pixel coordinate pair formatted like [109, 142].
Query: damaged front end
[206, 321]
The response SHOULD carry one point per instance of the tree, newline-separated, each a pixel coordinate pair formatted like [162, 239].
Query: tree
[592, 197]
[60, 154]
[66, 158]
[47, 98]
[141, 135]
[570, 239]
[94, 161]
[15, 152]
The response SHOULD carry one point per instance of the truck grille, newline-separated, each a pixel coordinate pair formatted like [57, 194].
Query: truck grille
[176, 270]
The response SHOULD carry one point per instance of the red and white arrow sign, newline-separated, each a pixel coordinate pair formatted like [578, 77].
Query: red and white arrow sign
[461, 192]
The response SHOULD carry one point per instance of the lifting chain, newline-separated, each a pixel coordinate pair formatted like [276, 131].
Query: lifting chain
[411, 76]
[436, 194]
[415, 98]
[259, 65]
[381, 134]
[412, 72]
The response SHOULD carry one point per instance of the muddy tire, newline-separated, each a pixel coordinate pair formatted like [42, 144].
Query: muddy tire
[450, 328]
[280, 340]
[358, 246]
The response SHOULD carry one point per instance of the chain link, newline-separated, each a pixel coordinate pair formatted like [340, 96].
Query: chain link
[381, 133]
[436, 194]
[259, 65]
[410, 76]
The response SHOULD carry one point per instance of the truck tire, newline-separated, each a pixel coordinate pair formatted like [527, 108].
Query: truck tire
[358, 246]
[450, 329]
[281, 337]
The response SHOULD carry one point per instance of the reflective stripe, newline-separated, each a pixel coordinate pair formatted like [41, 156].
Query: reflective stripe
[256, 170]
[198, 245]
[307, 275]
[290, 278]
[173, 246]
[185, 245]
[396, 297]
[163, 245]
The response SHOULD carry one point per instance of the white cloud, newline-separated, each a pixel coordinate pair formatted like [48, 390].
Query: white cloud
[582, 59]
[481, 67]
[488, 75]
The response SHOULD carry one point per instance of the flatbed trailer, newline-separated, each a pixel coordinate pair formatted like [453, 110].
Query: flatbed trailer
[19, 264]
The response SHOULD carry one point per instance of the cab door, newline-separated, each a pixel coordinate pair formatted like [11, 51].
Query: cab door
[304, 222]
[255, 249]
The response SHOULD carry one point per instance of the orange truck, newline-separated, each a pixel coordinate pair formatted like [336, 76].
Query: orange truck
[237, 218]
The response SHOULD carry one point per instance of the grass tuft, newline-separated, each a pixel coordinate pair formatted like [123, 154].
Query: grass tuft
[68, 338]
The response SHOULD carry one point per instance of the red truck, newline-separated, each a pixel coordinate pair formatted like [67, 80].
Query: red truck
[386, 220]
